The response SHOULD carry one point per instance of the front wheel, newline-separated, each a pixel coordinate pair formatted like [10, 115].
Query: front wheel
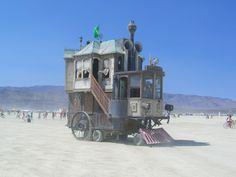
[81, 126]
[226, 125]
[233, 125]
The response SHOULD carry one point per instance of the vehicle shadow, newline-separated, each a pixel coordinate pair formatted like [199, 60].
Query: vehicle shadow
[184, 143]
[175, 143]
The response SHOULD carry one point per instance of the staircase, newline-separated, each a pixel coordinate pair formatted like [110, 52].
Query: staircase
[100, 95]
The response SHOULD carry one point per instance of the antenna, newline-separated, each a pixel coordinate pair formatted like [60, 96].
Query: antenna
[81, 42]
[156, 61]
[150, 60]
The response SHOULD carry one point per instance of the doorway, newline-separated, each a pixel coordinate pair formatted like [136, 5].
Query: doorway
[123, 88]
[95, 68]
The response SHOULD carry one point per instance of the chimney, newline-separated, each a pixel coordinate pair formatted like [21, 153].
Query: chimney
[132, 28]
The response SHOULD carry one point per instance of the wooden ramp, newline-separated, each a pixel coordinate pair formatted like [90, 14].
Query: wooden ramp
[155, 136]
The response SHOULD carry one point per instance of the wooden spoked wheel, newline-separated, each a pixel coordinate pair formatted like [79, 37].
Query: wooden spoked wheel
[81, 126]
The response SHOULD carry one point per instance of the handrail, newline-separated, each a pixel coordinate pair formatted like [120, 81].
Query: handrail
[99, 94]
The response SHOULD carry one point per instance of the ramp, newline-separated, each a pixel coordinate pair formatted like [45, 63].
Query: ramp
[155, 136]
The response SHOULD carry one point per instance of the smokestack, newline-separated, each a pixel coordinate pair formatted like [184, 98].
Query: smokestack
[132, 28]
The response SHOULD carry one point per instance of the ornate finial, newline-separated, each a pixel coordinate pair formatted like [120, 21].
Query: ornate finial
[132, 27]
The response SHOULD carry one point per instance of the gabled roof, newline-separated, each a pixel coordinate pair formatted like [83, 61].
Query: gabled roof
[101, 48]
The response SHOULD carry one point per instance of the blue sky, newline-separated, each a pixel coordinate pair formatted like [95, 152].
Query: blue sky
[195, 40]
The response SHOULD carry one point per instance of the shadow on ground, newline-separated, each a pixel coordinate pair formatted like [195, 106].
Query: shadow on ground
[175, 143]
[189, 143]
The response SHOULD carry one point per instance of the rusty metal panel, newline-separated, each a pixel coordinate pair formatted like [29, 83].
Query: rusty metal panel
[118, 108]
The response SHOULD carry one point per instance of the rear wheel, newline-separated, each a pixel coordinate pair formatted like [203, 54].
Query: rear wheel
[81, 126]
[98, 136]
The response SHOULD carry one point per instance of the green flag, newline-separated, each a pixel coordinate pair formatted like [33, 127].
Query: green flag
[96, 32]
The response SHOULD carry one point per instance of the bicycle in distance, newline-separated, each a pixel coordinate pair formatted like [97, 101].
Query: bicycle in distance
[230, 123]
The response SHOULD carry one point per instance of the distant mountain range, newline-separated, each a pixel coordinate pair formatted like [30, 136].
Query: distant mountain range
[206, 104]
[33, 98]
[54, 98]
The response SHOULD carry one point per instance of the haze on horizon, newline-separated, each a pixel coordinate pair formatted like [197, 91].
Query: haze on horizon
[194, 40]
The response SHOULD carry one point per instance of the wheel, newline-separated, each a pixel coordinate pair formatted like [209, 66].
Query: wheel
[226, 125]
[233, 125]
[81, 126]
[97, 135]
[138, 139]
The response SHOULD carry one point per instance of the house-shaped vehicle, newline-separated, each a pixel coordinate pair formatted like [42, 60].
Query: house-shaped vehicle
[109, 92]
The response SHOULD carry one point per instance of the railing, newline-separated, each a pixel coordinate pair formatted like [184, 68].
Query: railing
[99, 94]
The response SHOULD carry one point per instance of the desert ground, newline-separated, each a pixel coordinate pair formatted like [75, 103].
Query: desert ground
[46, 148]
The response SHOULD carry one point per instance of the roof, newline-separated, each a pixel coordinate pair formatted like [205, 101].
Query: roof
[69, 53]
[101, 48]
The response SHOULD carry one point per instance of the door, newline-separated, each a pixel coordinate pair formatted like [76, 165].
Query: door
[123, 88]
[95, 68]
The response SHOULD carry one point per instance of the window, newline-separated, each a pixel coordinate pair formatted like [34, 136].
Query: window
[134, 86]
[148, 87]
[106, 71]
[120, 64]
[85, 73]
[78, 70]
[82, 69]
[158, 88]
[86, 65]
